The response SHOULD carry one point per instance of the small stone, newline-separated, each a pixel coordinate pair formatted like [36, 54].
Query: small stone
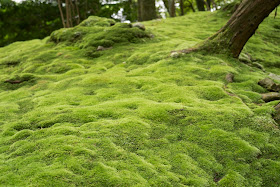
[139, 25]
[274, 76]
[100, 48]
[77, 34]
[276, 115]
[174, 54]
[230, 77]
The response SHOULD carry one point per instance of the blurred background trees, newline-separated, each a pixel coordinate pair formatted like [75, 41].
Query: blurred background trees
[27, 20]
[30, 19]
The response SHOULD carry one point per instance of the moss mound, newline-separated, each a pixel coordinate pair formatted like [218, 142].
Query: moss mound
[95, 31]
[134, 116]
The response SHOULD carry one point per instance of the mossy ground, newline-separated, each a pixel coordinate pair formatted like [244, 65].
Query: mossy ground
[132, 115]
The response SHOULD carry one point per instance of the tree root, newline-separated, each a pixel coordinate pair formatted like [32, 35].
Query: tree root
[269, 84]
[272, 96]
[14, 81]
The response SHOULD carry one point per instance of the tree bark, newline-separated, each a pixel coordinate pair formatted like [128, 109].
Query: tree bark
[191, 5]
[70, 13]
[146, 10]
[73, 11]
[208, 4]
[78, 11]
[61, 13]
[242, 25]
[182, 7]
[200, 5]
[139, 10]
[271, 96]
[67, 14]
[172, 10]
[86, 9]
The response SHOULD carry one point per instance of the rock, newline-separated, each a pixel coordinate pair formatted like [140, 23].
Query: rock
[139, 25]
[272, 96]
[101, 48]
[274, 76]
[230, 77]
[276, 116]
[175, 54]
[77, 34]
[269, 84]
[277, 107]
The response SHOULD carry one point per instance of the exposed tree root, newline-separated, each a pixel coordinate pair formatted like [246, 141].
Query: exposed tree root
[269, 84]
[14, 81]
[272, 96]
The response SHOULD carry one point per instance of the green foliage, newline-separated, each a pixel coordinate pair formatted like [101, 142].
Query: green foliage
[133, 116]
[27, 20]
[35, 19]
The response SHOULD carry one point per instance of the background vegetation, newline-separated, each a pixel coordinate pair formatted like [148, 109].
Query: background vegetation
[36, 19]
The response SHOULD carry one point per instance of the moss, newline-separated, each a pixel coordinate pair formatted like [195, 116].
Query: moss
[21, 135]
[131, 115]
[232, 179]
[95, 32]
[97, 21]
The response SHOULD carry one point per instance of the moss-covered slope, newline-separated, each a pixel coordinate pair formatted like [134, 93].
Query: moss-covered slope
[71, 115]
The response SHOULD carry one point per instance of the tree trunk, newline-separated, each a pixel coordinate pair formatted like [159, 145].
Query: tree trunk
[139, 10]
[61, 13]
[200, 5]
[191, 5]
[172, 10]
[182, 7]
[208, 4]
[86, 9]
[78, 11]
[242, 25]
[70, 13]
[146, 10]
[73, 11]
[67, 14]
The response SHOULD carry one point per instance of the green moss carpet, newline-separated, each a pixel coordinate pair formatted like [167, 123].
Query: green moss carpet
[131, 115]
